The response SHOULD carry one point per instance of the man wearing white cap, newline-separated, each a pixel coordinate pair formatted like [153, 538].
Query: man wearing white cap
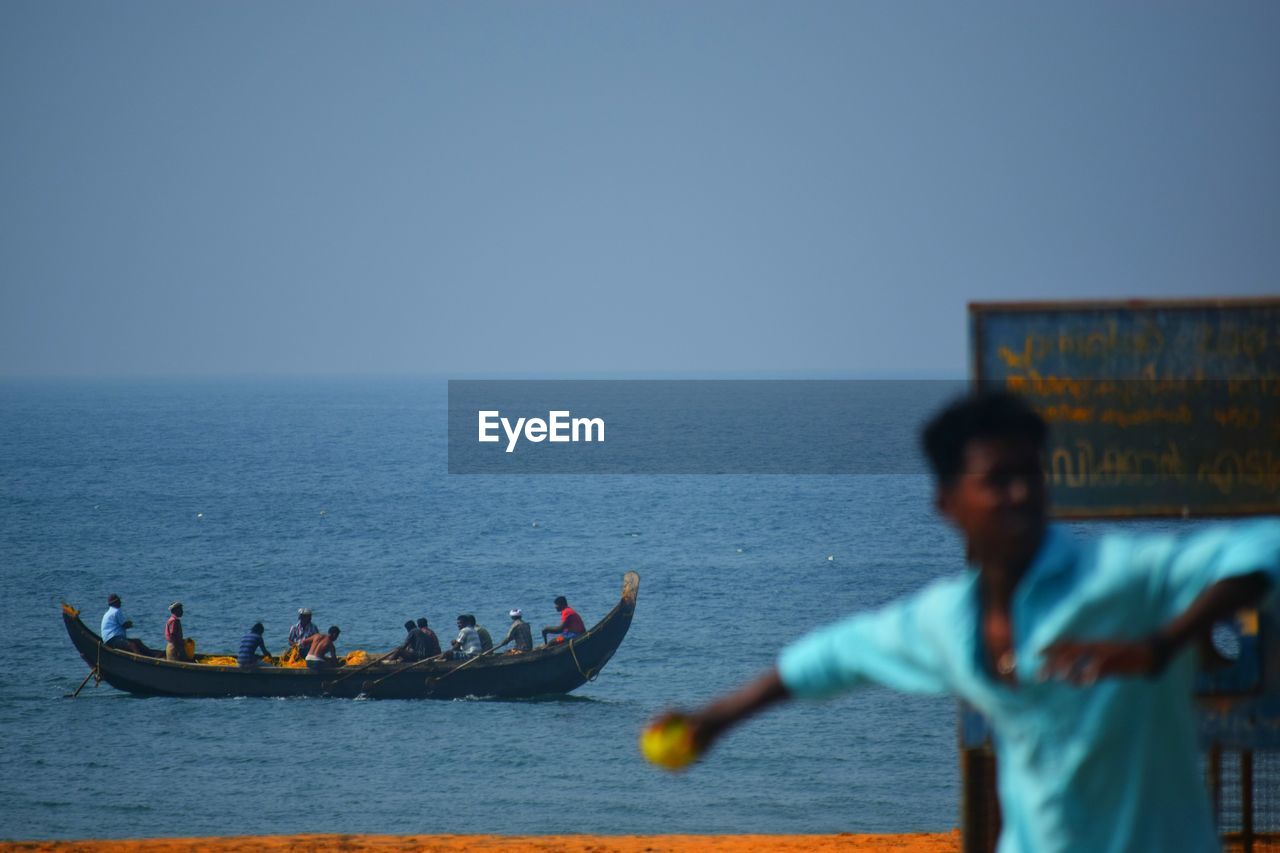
[303, 628]
[520, 633]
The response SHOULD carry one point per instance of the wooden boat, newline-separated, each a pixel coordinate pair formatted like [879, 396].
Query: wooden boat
[547, 670]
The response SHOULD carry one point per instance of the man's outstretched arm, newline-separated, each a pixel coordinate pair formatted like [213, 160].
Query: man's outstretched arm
[1086, 662]
[726, 712]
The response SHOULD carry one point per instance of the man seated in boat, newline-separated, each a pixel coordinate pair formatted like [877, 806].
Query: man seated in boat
[467, 643]
[519, 633]
[249, 645]
[486, 639]
[405, 651]
[321, 651]
[426, 643]
[570, 623]
[419, 644]
[175, 646]
[303, 629]
[115, 626]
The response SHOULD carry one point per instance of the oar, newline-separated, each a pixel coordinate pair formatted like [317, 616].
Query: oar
[327, 686]
[94, 672]
[368, 685]
[462, 665]
[91, 674]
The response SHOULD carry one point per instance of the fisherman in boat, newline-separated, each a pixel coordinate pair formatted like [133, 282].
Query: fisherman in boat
[175, 647]
[302, 629]
[115, 626]
[249, 645]
[406, 652]
[321, 651]
[570, 623]
[467, 643]
[486, 639]
[427, 643]
[420, 643]
[519, 633]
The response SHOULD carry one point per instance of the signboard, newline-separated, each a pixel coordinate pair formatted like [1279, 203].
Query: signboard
[1155, 408]
[1167, 408]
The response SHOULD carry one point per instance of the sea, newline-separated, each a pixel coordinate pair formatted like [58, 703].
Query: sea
[247, 499]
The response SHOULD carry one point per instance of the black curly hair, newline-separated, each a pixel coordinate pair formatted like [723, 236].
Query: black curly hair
[982, 414]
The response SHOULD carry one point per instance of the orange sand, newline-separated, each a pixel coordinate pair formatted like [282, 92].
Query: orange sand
[906, 843]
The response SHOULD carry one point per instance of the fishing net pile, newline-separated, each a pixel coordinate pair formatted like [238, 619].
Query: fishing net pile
[292, 659]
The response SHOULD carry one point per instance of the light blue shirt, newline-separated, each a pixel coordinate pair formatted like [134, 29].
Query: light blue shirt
[113, 624]
[1109, 767]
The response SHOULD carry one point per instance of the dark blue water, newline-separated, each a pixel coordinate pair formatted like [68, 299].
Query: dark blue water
[247, 500]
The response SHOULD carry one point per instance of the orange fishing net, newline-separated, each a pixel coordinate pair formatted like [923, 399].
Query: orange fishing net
[292, 659]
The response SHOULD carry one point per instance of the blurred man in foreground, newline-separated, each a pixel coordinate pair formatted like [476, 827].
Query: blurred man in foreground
[1081, 653]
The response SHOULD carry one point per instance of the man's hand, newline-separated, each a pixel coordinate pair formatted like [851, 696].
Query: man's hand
[710, 722]
[1084, 663]
[706, 729]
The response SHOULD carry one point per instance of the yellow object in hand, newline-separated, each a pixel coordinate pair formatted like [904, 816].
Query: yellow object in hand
[669, 743]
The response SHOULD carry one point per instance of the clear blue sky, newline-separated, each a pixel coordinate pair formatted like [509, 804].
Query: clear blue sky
[637, 187]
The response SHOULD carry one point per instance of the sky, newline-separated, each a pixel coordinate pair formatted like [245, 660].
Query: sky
[613, 188]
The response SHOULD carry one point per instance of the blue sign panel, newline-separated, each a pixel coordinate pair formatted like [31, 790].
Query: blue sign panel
[1156, 409]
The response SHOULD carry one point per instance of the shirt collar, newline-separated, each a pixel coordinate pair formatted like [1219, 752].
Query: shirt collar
[1057, 554]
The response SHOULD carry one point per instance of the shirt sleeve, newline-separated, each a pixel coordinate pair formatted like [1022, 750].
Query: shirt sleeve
[895, 646]
[1202, 559]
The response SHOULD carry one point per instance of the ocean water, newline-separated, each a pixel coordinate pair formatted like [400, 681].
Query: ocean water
[248, 499]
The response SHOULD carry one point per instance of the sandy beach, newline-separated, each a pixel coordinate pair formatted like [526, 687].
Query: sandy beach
[900, 843]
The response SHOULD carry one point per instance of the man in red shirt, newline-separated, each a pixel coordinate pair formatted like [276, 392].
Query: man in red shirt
[570, 623]
[174, 644]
